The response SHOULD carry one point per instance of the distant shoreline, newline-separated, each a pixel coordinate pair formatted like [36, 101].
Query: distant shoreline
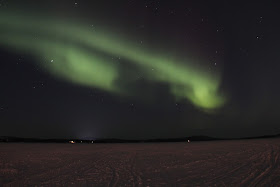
[10, 139]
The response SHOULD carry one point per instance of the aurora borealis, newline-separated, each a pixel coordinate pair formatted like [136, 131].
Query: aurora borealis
[81, 56]
[138, 69]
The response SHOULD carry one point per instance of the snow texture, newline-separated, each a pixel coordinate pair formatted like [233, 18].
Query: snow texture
[216, 163]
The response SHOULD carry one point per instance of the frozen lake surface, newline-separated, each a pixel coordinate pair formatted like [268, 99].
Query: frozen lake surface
[221, 163]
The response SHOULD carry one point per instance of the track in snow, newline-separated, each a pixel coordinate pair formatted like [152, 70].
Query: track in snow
[221, 163]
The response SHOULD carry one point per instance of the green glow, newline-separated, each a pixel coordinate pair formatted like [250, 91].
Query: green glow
[76, 53]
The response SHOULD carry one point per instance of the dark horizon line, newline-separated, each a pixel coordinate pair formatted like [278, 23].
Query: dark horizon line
[12, 139]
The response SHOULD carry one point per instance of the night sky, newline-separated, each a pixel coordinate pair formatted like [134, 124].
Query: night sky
[139, 68]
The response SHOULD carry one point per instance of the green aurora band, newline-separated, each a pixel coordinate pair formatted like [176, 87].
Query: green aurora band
[77, 54]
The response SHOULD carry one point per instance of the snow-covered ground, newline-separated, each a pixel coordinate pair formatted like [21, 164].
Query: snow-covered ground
[221, 163]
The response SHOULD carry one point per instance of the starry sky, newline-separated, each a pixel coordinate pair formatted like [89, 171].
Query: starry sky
[138, 69]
